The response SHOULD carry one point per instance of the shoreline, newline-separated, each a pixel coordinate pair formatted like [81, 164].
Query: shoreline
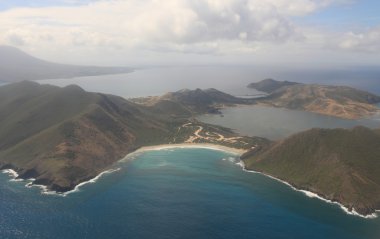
[44, 190]
[187, 146]
[13, 174]
[313, 195]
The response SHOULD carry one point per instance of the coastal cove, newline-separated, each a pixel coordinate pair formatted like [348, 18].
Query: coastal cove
[238, 161]
[190, 119]
[81, 148]
[213, 147]
[178, 182]
[44, 190]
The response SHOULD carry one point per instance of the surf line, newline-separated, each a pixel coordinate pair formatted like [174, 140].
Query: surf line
[44, 190]
[312, 194]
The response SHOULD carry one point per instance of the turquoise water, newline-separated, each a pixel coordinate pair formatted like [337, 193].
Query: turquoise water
[176, 193]
[277, 123]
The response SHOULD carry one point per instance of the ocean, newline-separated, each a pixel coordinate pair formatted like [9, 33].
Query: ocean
[177, 193]
[272, 123]
[230, 79]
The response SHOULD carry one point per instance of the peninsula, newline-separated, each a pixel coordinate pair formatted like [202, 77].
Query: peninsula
[339, 101]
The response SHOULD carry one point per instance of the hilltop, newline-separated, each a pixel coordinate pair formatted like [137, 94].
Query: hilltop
[338, 164]
[64, 136]
[339, 101]
[17, 65]
[192, 102]
[270, 85]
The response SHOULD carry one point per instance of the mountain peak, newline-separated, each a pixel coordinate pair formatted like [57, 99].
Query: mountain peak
[74, 88]
[270, 85]
[17, 65]
[5, 48]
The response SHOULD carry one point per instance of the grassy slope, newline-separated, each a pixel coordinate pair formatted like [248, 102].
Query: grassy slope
[186, 103]
[64, 136]
[339, 101]
[341, 165]
[270, 85]
[27, 108]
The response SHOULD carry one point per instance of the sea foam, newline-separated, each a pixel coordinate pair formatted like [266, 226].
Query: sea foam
[11, 173]
[44, 190]
[313, 195]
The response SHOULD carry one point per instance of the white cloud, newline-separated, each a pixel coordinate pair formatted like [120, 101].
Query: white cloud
[136, 22]
[368, 41]
[136, 27]
[303, 7]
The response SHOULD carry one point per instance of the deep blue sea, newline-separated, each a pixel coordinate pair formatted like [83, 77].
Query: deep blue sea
[176, 193]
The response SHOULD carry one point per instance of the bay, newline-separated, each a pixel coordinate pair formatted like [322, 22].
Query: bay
[191, 193]
[177, 193]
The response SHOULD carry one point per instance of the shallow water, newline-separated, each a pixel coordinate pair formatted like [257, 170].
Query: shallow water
[177, 193]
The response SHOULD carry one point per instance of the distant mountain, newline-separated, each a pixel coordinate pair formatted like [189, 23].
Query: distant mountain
[339, 101]
[189, 102]
[64, 136]
[270, 85]
[338, 164]
[17, 66]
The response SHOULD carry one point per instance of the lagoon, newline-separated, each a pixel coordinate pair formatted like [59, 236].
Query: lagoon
[277, 123]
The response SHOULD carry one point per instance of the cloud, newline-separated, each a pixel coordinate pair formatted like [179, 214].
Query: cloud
[146, 27]
[137, 23]
[15, 39]
[368, 41]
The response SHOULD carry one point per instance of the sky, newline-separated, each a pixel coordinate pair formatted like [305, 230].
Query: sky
[288, 33]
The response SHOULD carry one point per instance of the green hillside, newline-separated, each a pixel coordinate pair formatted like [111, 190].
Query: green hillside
[186, 103]
[64, 136]
[339, 164]
[270, 85]
[338, 101]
